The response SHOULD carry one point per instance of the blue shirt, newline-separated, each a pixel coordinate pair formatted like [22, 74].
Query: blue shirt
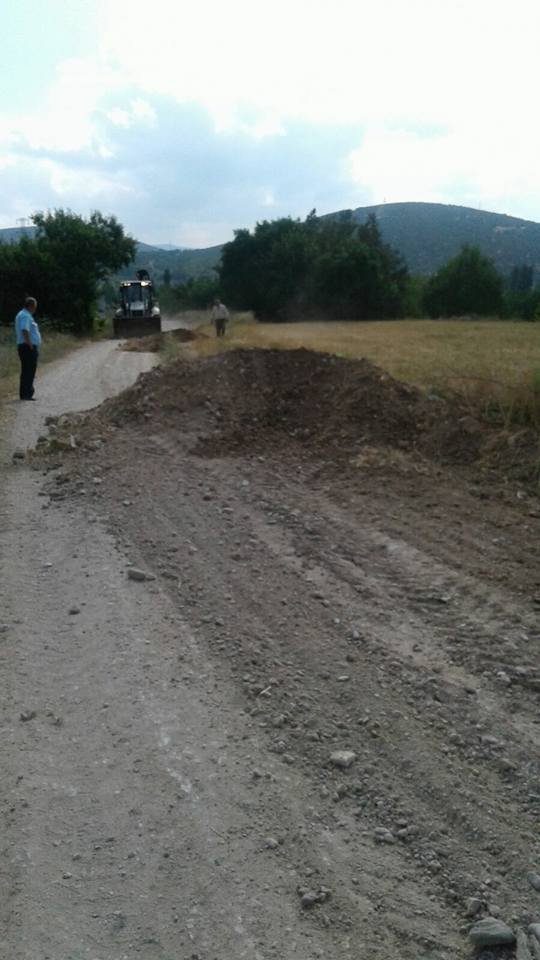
[25, 321]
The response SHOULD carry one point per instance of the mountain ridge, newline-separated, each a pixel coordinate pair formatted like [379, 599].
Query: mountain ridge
[428, 234]
[425, 234]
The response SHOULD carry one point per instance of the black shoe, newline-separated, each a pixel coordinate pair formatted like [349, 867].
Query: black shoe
[28, 398]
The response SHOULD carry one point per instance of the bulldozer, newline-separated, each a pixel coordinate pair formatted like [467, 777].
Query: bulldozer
[138, 313]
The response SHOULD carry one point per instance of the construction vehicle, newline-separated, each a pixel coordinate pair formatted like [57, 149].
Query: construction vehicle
[138, 313]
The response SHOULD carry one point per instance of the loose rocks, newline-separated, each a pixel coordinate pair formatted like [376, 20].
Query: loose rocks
[534, 880]
[491, 933]
[522, 946]
[135, 574]
[383, 835]
[342, 759]
[473, 906]
[28, 715]
[308, 898]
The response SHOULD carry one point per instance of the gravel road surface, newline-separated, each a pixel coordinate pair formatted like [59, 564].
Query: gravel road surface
[78, 382]
[307, 729]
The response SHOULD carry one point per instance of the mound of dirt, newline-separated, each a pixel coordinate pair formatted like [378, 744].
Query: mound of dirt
[154, 341]
[336, 410]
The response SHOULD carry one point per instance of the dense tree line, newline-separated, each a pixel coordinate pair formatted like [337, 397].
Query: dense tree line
[63, 266]
[333, 267]
[327, 267]
[194, 294]
[470, 284]
[522, 298]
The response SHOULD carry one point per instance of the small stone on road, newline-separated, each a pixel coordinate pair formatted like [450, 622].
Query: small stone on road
[342, 759]
[135, 574]
[491, 932]
[534, 880]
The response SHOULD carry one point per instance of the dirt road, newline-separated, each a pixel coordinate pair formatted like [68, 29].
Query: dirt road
[312, 731]
[81, 381]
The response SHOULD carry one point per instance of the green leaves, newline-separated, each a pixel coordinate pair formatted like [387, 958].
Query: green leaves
[287, 269]
[468, 284]
[63, 266]
[195, 294]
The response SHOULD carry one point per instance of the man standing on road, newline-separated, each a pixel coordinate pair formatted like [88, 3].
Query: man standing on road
[28, 344]
[220, 316]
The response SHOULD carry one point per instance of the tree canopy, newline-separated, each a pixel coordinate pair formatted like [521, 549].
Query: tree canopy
[62, 266]
[289, 269]
[194, 294]
[468, 283]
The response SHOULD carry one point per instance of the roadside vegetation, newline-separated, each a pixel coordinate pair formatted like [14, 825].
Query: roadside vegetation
[64, 265]
[330, 268]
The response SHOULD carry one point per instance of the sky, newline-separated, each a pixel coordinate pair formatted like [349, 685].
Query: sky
[188, 120]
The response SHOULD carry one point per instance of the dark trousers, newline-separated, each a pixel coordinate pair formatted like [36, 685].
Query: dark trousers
[29, 360]
[220, 326]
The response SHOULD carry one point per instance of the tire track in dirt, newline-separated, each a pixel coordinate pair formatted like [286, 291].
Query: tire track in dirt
[318, 609]
[263, 573]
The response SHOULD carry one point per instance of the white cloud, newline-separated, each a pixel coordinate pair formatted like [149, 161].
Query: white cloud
[63, 117]
[471, 165]
[141, 110]
[7, 160]
[69, 184]
[440, 94]
[340, 61]
[120, 117]
[138, 112]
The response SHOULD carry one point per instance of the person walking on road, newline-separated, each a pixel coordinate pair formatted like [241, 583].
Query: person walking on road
[220, 317]
[28, 343]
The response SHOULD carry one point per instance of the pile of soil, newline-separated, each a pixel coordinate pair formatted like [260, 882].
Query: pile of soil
[319, 405]
[153, 343]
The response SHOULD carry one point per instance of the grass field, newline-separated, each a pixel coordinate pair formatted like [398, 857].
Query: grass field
[494, 365]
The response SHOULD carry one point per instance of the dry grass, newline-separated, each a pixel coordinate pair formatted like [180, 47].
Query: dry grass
[494, 365]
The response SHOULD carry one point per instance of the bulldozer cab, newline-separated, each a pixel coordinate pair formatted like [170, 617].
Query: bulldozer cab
[136, 297]
[138, 312]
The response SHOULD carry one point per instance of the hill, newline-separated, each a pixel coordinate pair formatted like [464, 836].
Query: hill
[426, 235]
[14, 234]
[183, 263]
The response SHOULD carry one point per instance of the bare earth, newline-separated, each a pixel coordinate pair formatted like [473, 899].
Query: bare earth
[167, 789]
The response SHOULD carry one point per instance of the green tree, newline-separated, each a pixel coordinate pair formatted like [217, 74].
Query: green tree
[80, 254]
[521, 278]
[25, 270]
[521, 299]
[194, 294]
[287, 269]
[468, 283]
[265, 271]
